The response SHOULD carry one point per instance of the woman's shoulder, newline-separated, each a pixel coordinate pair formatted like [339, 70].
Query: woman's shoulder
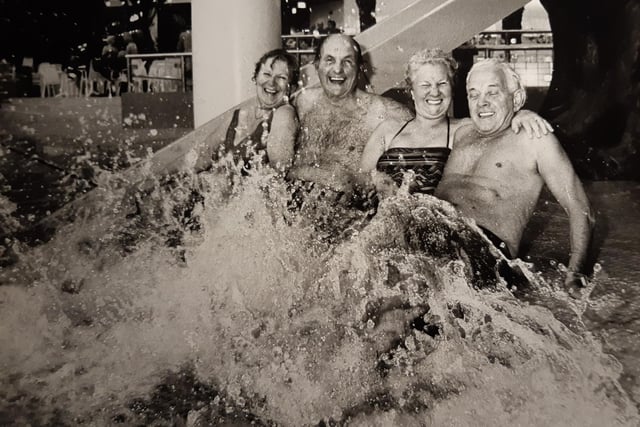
[285, 112]
[306, 98]
[457, 123]
[285, 109]
[391, 126]
[386, 131]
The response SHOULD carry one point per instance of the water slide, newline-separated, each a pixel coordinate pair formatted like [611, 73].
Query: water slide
[426, 24]
[408, 26]
[255, 317]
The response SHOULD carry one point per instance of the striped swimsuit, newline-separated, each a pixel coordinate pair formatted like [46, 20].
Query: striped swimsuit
[426, 162]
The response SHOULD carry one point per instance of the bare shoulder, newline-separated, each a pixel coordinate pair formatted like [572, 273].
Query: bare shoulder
[463, 133]
[306, 98]
[456, 123]
[545, 147]
[545, 141]
[389, 127]
[285, 112]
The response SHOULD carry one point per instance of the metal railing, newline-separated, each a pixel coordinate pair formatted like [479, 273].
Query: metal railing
[511, 37]
[167, 72]
[529, 52]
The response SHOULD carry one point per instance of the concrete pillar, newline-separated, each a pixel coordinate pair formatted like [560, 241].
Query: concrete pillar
[351, 17]
[228, 38]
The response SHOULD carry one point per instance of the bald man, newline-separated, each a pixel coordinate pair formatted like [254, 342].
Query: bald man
[337, 118]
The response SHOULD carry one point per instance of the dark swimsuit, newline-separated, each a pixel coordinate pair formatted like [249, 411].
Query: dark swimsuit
[427, 163]
[497, 242]
[245, 150]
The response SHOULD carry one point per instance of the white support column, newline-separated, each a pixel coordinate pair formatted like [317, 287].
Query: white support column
[351, 17]
[228, 38]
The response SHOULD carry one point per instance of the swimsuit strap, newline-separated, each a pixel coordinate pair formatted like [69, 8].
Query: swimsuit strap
[231, 130]
[264, 125]
[448, 129]
[400, 131]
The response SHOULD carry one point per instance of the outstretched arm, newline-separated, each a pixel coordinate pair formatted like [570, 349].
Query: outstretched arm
[532, 124]
[556, 169]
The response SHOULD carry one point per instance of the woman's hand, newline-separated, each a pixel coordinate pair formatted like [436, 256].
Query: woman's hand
[532, 124]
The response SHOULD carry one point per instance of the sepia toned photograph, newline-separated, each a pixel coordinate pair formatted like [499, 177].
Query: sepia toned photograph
[320, 213]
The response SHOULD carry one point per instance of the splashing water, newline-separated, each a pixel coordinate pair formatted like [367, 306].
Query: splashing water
[207, 302]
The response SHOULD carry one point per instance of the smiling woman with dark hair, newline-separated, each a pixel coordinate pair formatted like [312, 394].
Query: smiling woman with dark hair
[264, 130]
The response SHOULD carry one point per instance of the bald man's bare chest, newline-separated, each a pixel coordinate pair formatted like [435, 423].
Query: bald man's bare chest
[327, 134]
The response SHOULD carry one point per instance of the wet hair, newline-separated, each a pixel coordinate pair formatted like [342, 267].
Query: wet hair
[356, 46]
[512, 79]
[279, 55]
[430, 56]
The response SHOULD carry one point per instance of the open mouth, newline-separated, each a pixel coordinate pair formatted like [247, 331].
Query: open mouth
[270, 91]
[338, 80]
[486, 114]
[434, 101]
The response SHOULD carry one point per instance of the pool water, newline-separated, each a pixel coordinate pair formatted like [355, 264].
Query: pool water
[232, 307]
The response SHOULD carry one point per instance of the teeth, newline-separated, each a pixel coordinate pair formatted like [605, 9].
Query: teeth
[336, 79]
[434, 101]
[271, 91]
[485, 114]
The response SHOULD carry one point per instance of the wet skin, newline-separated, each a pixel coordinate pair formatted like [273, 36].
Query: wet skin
[495, 176]
[337, 119]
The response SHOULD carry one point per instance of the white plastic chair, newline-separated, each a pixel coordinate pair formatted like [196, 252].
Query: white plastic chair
[68, 85]
[49, 78]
